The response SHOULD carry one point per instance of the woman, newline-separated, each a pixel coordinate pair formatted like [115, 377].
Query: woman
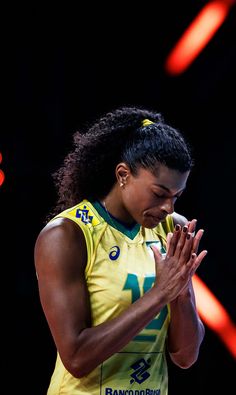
[115, 262]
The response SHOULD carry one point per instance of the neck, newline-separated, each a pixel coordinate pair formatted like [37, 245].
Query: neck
[114, 205]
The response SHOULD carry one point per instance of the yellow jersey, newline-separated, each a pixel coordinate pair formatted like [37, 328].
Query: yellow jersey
[120, 269]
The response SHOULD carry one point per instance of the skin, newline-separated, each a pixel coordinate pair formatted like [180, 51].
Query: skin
[60, 261]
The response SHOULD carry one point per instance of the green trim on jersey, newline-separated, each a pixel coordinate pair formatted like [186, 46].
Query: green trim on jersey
[131, 233]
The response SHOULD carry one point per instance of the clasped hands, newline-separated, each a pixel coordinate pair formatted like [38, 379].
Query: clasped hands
[181, 261]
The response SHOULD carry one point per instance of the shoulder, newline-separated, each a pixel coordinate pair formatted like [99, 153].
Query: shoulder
[60, 229]
[59, 240]
[179, 219]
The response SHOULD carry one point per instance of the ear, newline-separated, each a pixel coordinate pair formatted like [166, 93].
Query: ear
[122, 173]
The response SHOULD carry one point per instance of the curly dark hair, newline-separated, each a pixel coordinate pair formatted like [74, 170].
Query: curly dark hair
[89, 170]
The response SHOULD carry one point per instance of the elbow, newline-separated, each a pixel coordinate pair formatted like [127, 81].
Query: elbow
[184, 359]
[187, 356]
[183, 362]
[78, 367]
[76, 370]
[78, 374]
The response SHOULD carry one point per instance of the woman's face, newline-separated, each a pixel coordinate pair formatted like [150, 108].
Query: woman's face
[149, 197]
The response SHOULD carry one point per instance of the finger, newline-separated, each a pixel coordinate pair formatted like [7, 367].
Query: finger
[192, 225]
[186, 269]
[156, 253]
[168, 239]
[198, 260]
[190, 266]
[181, 241]
[173, 240]
[197, 240]
[186, 250]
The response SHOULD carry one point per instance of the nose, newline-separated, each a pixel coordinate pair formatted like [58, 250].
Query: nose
[168, 205]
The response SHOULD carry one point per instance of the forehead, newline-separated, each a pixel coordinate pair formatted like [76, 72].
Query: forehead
[163, 177]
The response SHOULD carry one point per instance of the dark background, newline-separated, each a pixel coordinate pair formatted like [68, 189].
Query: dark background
[62, 69]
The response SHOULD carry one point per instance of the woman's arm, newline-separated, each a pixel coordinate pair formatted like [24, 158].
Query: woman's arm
[186, 330]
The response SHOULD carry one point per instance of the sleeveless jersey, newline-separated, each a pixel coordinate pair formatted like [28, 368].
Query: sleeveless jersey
[120, 269]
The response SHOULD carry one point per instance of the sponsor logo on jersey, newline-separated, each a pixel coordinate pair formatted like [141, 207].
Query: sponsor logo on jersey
[114, 253]
[140, 373]
[146, 391]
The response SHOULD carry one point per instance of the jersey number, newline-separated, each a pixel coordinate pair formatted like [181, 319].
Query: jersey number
[132, 284]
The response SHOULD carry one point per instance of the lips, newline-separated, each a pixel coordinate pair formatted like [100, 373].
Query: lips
[158, 219]
[154, 218]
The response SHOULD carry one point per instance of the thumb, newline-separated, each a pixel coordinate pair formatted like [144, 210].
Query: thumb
[158, 258]
[157, 254]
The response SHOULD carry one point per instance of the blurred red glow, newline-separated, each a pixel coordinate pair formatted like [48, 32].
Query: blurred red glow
[2, 175]
[214, 314]
[197, 35]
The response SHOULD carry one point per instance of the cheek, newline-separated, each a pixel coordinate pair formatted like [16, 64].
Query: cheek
[137, 199]
[132, 194]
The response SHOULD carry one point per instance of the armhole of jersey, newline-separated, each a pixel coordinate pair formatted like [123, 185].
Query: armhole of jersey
[88, 239]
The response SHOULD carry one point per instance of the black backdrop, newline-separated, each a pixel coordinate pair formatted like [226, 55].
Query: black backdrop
[59, 78]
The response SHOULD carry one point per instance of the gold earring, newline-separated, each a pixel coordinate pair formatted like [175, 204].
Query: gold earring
[121, 184]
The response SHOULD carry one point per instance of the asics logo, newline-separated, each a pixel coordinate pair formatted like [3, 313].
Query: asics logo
[114, 253]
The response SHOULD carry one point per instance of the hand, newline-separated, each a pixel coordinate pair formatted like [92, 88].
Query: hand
[176, 241]
[175, 271]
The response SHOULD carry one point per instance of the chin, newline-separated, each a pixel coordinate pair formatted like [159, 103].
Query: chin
[150, 223]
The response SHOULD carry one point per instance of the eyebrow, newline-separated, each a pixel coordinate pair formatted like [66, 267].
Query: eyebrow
[167, 189]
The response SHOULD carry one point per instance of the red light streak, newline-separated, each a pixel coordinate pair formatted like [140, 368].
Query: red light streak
[214, 314]
[2, 175]
[197, 35]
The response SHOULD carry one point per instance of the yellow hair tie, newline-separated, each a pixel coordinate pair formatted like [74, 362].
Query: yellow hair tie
[146, 122]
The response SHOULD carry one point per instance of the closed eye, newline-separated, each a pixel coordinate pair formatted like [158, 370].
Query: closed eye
[159, 196]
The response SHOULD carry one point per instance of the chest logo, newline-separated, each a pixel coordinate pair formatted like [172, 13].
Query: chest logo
[114, 253]
[140, 373]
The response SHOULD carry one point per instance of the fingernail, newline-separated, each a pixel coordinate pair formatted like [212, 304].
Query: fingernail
[177, 227]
